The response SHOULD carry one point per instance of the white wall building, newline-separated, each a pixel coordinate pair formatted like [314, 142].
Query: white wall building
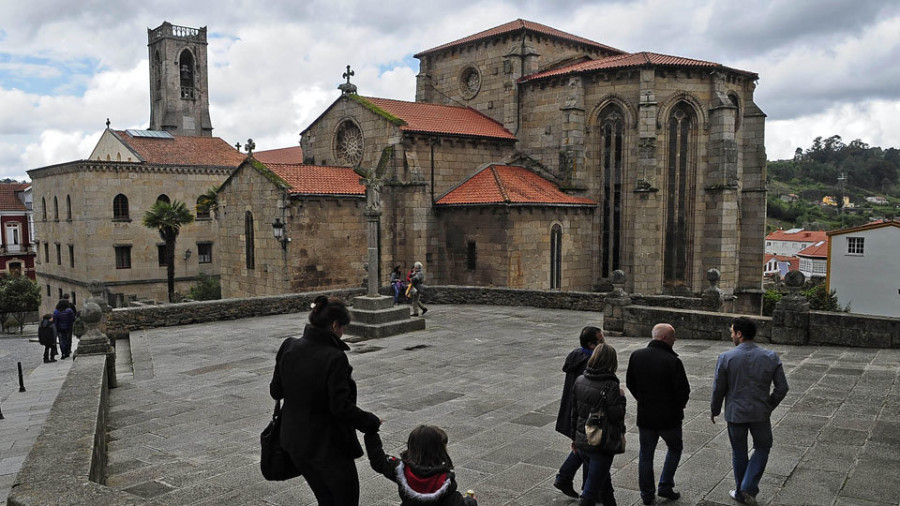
[790, 242]
[863, 267]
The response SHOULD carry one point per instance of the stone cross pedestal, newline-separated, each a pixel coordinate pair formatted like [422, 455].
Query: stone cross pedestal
[790, 321]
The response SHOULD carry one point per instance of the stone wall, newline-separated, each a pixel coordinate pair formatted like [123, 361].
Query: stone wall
[122, 321]
[688, 323]
[848, 329]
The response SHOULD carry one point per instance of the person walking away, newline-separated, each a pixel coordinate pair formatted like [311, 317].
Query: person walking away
[657, 380]
[599, 378]
[744, 378]
[64, 318]
[574, 365]
[424, 472]
[418, 281]
[320, 416]
[47, 337]
[396, 282]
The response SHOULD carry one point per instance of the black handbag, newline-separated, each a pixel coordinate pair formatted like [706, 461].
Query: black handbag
[275, 463]
[603, 434]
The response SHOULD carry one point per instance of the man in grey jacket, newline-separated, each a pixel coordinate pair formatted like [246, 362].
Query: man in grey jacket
[743, 379]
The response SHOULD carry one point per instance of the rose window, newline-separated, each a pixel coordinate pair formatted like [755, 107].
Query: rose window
[470, 82]
[349, 144]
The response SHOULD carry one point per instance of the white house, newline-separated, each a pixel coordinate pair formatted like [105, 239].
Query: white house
[790, 242]
[863, 267]
[814, 260]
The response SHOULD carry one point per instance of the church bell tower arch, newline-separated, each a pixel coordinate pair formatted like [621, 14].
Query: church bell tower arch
[179, 101]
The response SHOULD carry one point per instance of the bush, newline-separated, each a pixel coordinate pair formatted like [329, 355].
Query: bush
[769, 300]
[207, 288]
[821, 299]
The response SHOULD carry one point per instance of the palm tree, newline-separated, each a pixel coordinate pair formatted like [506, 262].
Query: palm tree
[168, 220]
[209, 201]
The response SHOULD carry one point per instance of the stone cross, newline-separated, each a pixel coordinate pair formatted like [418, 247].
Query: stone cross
[348, 74]
[348, 87]
[250, 146]
[373, 215]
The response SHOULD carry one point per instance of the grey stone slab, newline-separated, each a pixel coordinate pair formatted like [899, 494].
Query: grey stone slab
[811, 486]
[874, 480]
[149, 489]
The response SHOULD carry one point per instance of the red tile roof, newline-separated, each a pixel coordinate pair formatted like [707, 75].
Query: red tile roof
[817, 250]
[9, 201]
[519, 25]
[642, 59]
[183, 150]
[293, 154]
[801, 236]
[506, 184]
[441, 119]
[318, 179]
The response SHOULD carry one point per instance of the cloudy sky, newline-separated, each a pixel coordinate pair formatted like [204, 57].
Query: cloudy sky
[826, 66]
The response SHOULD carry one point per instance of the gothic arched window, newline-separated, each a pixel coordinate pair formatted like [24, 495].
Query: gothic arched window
[120, 207]
[348, 143]
[555, 257]
[163, 198]
[202, 208]
[55, 209]
[679, 167]
[157, 74]
[68, 208]
[186, 74]
[248, 240]
[43, 209]
[612, 166]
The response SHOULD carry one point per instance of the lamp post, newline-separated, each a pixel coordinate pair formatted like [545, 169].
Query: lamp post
[278, 232]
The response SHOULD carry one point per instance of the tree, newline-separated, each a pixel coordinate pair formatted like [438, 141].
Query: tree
[207, 288]
[18, 297]
[168, 220]
[209, 201]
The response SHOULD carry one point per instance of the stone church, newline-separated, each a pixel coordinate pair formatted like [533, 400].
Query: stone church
[531, 158]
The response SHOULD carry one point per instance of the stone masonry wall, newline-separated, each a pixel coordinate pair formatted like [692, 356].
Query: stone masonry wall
[688, 323]
[847, 329]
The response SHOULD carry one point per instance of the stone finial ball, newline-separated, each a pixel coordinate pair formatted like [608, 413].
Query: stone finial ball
[713, 275]
[91, 312]
[618, 277]
[794, 279]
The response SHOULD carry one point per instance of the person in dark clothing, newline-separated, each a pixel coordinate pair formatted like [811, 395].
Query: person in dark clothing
[64, 319]
[574, 365]
[599, 378]
[656, 378]
[47, 337]
[397, 283]
[424, 472]
[320, 416]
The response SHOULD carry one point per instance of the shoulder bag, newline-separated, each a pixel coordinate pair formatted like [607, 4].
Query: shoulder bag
[275, 463]
[601, 433]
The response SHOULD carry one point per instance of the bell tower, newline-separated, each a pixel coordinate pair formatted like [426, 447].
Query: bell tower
[179, 102]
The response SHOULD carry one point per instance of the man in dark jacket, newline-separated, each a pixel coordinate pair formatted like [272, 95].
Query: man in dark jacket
[574, 366]
[656, 378]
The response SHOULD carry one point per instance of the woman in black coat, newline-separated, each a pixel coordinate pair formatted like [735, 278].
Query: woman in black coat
[320, 417]
[599, 377]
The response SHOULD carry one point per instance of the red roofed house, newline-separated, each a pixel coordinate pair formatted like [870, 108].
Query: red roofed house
[17, 253]
[863, 267]
[778, 266]
[814, 260]
[790, 242]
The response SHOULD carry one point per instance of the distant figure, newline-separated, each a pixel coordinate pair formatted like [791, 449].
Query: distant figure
[424, 472]
[320, 416]
[599, 378]
[574, 365]
[743, 378]
[64, 319]
[417, 281]
[47, 337]
[397, 283]
[656, 378]
[64, 301]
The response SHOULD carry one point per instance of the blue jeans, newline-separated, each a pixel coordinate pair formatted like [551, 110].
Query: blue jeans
[596, 469]
[569, 468]
[65, 341]
[674, 444]
[747, 472]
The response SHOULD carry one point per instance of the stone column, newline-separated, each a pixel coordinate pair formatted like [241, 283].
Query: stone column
[571, 150]
[614, 305]
[790, 321]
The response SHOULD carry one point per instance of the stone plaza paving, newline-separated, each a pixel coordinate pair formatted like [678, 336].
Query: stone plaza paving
[185, 420]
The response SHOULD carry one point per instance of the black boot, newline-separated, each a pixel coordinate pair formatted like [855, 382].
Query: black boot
[565, 487]
[586, 501]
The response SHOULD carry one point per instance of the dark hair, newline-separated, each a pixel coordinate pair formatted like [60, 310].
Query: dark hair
[63, 304]
[327, 310]
[745, 326]
[397, 269]
[590, 335]
[426, 447]
[604, 359]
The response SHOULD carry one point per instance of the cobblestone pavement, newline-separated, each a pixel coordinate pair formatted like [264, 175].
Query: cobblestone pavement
[185, 427]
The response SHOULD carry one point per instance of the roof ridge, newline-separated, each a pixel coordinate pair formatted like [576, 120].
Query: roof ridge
[500, 185]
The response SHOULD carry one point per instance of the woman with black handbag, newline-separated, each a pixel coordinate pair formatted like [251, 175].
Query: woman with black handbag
[598, 385]
[320, 417]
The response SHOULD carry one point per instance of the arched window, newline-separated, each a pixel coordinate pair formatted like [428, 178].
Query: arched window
[157, 73]
[43, 209]
[680, 164]
[186, 72]
[68, 208]
[120, 207]
[248, 240]
[611, 163]
[202, 210]
[164, 198]
[555, 257]
[55, 209]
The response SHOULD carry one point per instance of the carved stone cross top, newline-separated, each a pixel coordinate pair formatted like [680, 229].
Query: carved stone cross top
[250, 146]
[348, 74]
